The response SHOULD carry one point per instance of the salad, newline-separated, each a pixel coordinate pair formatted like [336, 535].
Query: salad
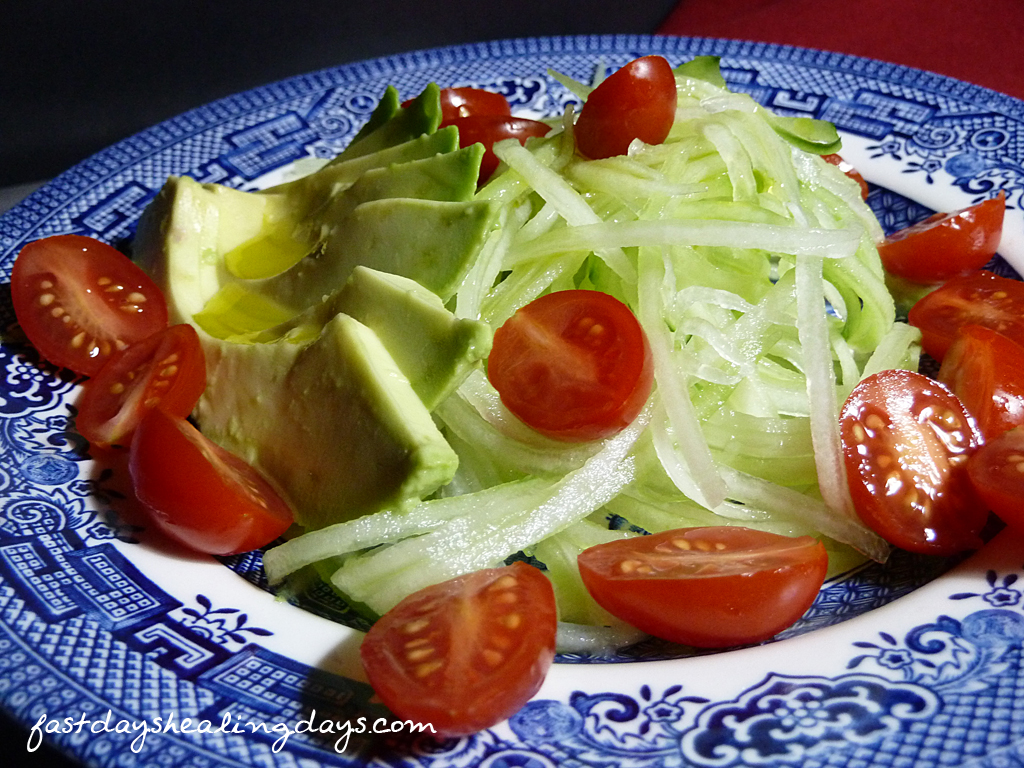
[709, 286]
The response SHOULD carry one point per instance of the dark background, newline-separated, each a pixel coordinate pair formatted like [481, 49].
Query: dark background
[76, 76]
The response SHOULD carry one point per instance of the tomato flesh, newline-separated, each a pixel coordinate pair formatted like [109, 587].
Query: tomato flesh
[906, 440]
[636, 102]
[574, 365]
[465, 654]
[946, 244]
[986, 371]
[167, 369]
[979, 298]
[997, 473]
[488, 129]
[79, 300]
[707, 587]
[199, 494]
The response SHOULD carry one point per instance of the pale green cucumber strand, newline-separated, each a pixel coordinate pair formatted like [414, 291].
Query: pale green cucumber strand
[526, 282]
[737, 161]
[821, 388]
[554, 189]
[485, 270]
[837, 244]
[382, 578]
[900, 348]
[701, 481]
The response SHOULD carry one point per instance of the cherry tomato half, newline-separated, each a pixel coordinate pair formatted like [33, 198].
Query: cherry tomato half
[166, 369]
[997, 472]
[488, 129]
[906, 441]
[466, 101]
[946, 244]
[636, 102]
[574, 365]
[80, 300]
[707, 587]
[465, 654]
[986, 371]
[849, 170]
[199, 494]
[979, 298]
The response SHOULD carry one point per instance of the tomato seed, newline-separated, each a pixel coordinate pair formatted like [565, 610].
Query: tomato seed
[104, 281]
[505, 582]
[136, 298]
[875, 422]
[492, 657]
[78, 340]
[425, 669]
[170, 370]
[47, 299]
[512, 620]
[417, 625]
[419, 654]
[681, 544]
[858, 433]
[57, 312]
[117, 389]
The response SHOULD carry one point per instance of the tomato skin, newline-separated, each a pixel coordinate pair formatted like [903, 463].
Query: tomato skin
[906, 440]
[946, 244]
[463, 102]
[488, 129]
[723, 586]
[79, 300]
[465, 654]
[166, 369]
[986, 371]
[850, 171]
[199, 494]
[636, 102]
[566, 380]
[997, 473]
[979, 298]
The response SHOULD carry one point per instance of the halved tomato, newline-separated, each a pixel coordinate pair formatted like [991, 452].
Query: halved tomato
[707, 587]
[465, 654]
[487, 129]
[167, 369]
[574, 365]
[79, 301]
[849, 170]
[946, 244]
[906, 441]
[637, 101]
[986, 371]
[997, 472]
[199, 494]
[979, 298]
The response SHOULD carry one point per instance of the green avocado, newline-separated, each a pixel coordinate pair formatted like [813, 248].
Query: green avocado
[334, 424]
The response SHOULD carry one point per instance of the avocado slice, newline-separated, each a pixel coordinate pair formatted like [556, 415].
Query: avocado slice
[335, 424]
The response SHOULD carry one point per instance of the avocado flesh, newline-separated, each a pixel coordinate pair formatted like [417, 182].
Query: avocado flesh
[334, 423]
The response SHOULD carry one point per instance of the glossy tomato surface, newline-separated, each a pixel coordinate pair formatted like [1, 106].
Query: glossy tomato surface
[574, 365]
[979, 298]
[906, 440]
[707, 587]
[167, 369]
[463, 102]
[465, 654]
[488, 129]
[986, 371]
[636, 102]
[199, 494]
[79, 301]
[997, 472]
[946, 244]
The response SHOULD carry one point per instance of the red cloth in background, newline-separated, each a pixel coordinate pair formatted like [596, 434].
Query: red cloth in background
[979, 41]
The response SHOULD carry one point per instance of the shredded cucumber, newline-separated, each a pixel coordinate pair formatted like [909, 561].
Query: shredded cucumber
[752, 266]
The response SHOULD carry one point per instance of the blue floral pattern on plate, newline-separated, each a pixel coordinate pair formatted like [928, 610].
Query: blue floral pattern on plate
[908, 665]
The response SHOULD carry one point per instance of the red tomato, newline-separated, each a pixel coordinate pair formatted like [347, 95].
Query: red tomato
[986, 371]
[946, 244]
[466, 101]
[849, 170]
[997, 472]
[636, 102]
[906, 440]
[166, 369]
[80, 300]
[707, 587]
[465, 654]
[574, 365]
[198, 493]
[487, 129]
[980, 298]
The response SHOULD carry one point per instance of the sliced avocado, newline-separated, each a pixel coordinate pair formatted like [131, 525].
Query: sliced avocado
[423, 115]
[432, 347]
[335, 424]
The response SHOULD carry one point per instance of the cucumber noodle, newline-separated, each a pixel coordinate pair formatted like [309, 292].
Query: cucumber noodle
[753, 268]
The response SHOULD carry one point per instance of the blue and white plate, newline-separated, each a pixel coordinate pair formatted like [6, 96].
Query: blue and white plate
[104, 630]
